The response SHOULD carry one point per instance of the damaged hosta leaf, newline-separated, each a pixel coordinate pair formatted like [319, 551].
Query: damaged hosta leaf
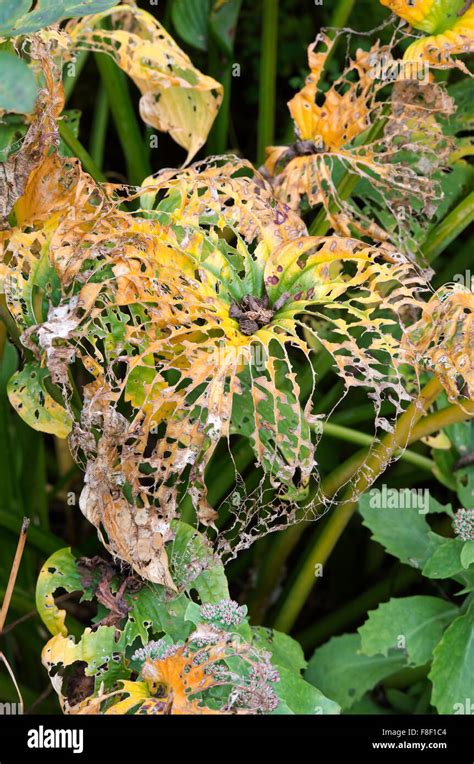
[41, 135]
[394, 145]
[30, 398]
[185, 317]
[449, 25]
[441, 341]
[19, 17]
[152, 652]
[176, 97]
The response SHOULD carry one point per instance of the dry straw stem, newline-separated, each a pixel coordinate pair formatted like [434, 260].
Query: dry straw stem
[8, 596]
[14, 572]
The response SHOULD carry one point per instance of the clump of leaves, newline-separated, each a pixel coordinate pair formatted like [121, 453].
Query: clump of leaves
[408, 632]
[181, 321]
[144, 304]
[152, 652]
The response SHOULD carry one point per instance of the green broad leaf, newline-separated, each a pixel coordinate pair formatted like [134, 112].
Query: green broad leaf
[286, 652]
[402, 532]
[461, 435]
[17, 84]
[154, 612]
[467, 554]
[435, 507]
[31, 400]
[193, 613]
[223, 24]
[411, 625]
[195, 566]
[60, 571]
[445, 561]
[301, 697]
[95, 648]
[18, 18]
[190, 19]
[452, 671]
[463, 118]
[343, 674]
[464, 477]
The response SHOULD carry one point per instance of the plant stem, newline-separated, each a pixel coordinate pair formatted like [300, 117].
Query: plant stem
[80, 152]
[286, 541]
[449, 228]
[267, 85]
[126, 124]
[221, 69]
[14, 572]
[442, 418]
[99, 127]
[341, 13]
[363, 439]
[321, 547]
[69, 80]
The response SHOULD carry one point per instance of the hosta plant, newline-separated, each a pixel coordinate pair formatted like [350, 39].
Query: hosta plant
[178, 331]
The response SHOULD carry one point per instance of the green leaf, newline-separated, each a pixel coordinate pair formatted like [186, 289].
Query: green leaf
[467, 554]
[189, 552]
[28, 394]
[461, 435]
[31, 400]
[58, 572]
[300, 697]
[16, 20]
[223, 24]
[463, 118]
[190, 19]
[153, 611]
[296, 695]
[17, 84]
[445, 561]
[403, 532]
[419, 620]
[343, 674]
[95, 648]
[452, 671]
[286, 651]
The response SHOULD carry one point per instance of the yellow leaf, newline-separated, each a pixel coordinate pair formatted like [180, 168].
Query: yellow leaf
[176, 97]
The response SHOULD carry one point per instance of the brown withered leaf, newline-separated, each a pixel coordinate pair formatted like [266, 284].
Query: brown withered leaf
[42, 134]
